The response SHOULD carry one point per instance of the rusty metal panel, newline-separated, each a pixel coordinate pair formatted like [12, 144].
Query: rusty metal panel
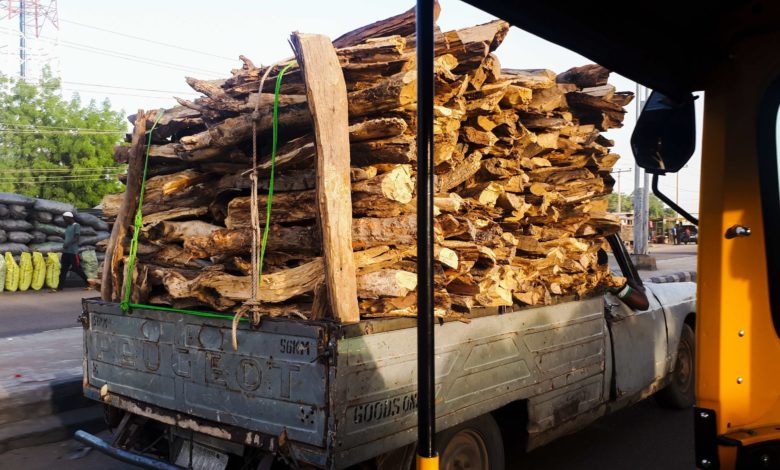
[275, 382]
[678, 300]
[480, 367]
[640, 346]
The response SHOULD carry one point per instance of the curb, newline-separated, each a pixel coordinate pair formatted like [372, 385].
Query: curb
[52, 428]
[46, 413]
[49, 398]
[686, 276]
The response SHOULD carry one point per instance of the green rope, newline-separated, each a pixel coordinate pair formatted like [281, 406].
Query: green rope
[188, 312]
[274, 142]
[138, 221]
[125, 305]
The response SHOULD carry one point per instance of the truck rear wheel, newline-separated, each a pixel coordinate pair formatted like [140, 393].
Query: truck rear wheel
[680, 393]
[473, 445]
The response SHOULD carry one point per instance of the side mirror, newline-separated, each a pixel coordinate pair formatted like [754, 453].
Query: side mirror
[665, 134]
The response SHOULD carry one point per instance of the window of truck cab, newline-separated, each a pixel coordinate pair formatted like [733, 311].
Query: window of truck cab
[769, 176]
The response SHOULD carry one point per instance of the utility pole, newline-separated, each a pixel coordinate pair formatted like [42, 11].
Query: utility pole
[641, 201]
[35, 52]
[620, 195]
[639, 220]
[22, 39]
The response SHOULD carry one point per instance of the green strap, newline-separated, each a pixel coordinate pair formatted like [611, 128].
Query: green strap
[138, 221]
[125, 305]
[273, 169]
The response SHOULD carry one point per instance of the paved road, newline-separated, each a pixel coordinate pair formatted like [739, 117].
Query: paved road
[643, 437]
[28, 312]
[664, 252]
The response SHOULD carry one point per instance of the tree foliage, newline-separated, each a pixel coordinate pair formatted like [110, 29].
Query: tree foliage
[40, 153]
[657, 208]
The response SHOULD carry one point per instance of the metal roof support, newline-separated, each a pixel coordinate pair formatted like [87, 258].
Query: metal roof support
[426, 411]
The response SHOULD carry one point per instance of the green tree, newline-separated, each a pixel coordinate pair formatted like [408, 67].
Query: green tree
[55, 148]
[626, 204]
[657, 208]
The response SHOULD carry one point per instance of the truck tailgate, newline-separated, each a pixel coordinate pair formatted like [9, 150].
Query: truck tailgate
[275, 382]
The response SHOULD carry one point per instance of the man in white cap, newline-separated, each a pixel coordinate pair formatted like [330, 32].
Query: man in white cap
[70, 250]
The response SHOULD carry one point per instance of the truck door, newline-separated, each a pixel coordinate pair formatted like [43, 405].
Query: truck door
[639, 346]
[639, 337]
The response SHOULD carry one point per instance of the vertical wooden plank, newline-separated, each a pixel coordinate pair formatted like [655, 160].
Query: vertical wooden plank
[111, 280]
[326, 92]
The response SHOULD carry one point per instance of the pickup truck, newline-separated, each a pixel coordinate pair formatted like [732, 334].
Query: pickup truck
[317, 394]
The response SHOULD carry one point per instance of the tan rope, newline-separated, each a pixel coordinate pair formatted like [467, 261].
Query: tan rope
[253, 304]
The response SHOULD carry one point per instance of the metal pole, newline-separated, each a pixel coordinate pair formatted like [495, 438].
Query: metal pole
[677, 190]
[639, 222]
[22, 39]
[620, 195]
[426, 411]
[646, 212]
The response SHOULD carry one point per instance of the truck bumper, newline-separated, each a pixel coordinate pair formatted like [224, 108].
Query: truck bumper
[123, 455]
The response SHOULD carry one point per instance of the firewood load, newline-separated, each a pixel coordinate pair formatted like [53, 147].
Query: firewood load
[521, 171]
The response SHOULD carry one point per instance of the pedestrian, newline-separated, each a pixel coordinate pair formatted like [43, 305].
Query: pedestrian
[674, 234]
[70, 250]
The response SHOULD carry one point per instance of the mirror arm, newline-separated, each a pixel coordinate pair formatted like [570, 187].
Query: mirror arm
[671, 203]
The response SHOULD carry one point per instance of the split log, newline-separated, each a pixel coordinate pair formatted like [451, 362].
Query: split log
[110, 284]
[301, 239]
[294, 206]
[327, 96]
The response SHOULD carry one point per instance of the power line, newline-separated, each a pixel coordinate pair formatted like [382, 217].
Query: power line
[102, 85]
[116, 93]
[135, 58]
[42, 126]
[122, 55]
[60, 180]
[102, 169]
[54, 132]
[70, 181]
[148, 40]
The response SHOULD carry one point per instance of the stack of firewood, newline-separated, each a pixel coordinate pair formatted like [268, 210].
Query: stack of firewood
[521, 175]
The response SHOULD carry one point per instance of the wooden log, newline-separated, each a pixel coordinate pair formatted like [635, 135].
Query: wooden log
[379, 128]
[471, 45]
[170, 231]
[386, 283]
[300, 239]
[534, 79]
[173, 120]
[327, 96]
[591, 75]
[402, 24]
[449, 203]
[395, 185]
[173, 214]
[375, 205]
[294, 206]
[460, 173]
[396, 91]
[400, 149]
[370, 232]
[233, 130]
[377, 49]
[110, 285]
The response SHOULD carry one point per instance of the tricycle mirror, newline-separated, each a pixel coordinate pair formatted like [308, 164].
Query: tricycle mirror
[665, 134]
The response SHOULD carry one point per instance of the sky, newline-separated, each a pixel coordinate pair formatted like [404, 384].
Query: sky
[97, 57]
